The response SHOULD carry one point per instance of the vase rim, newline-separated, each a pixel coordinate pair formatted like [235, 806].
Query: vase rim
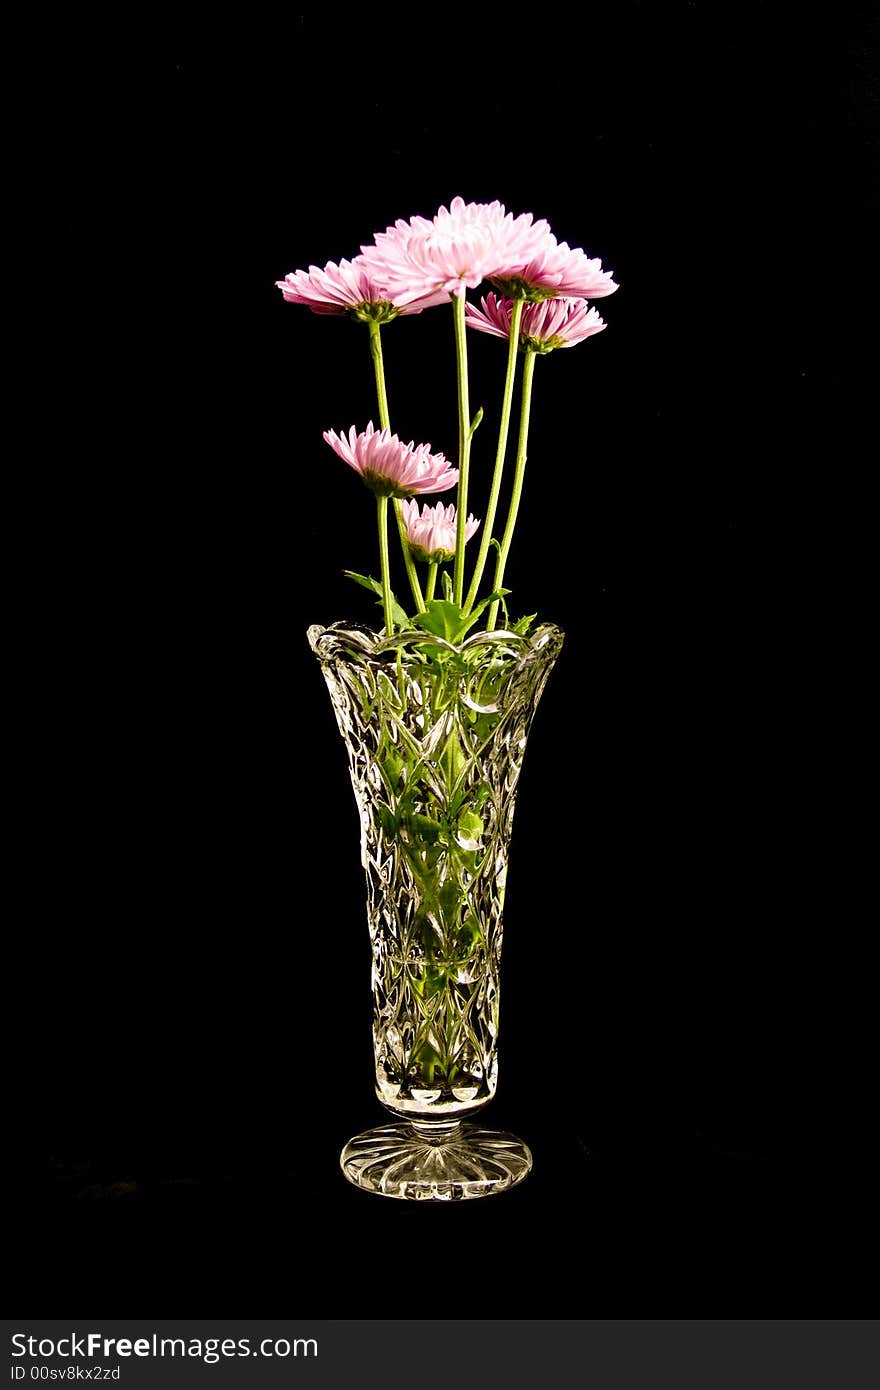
[371, 643]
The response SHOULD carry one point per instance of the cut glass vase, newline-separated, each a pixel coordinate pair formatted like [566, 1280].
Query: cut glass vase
[435, 735]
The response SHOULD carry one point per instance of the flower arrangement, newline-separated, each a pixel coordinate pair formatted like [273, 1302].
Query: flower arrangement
[435, 717]
[539, 303]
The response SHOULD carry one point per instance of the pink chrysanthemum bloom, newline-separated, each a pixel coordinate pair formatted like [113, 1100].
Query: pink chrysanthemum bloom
[423, 261]
[347, 288]
[390, 468]
[555, 270]
[431, 532]
[552, 323]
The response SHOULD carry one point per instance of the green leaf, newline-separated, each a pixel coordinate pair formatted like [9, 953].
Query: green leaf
[447, 585]
[387, 819]
[400, 617]
[475, 796]
[441, 618]
[475, 423]
[425, 827]
[453, 757]
[470, 828]
[446, 619]
[365, 581]
[393, 766]
[469, 934]
[450, 896]
[522, 625]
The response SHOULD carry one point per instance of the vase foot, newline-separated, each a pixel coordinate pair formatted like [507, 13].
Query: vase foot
[446, 1163]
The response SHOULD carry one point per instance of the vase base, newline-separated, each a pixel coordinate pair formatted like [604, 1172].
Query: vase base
[450, 1164]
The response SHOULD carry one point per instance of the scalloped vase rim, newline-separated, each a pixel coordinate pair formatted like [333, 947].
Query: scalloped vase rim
[373, 643]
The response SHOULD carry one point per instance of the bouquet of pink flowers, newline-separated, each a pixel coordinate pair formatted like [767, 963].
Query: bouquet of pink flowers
[435, 717]
[539, 303]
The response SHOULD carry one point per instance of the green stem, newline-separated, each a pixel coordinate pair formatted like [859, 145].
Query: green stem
[411, 574]
[431, 581]
[385, 422]
[382, 514]
[516, 494]
[379, 369]
[503, 430]
[464, 444]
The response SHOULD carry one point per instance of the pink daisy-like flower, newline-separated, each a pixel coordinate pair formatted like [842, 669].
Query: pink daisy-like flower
[390, 468]
[555, 270]
[552, 323]
[347, 288]
[431, 532]
[423, 261]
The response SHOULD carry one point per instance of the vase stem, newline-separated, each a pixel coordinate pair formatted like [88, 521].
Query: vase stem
[436, 1131]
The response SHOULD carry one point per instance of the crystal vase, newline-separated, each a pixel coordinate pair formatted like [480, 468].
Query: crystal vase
[435, 734]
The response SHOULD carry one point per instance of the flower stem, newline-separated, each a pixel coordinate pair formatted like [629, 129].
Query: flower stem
[411, 575]
[503, 430]
[379, 369]
[464, 444]
[516, 494]
[382, 514]
[431, 580]
[385, 422]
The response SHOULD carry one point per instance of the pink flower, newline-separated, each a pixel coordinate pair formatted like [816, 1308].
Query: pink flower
[423, 261]
[390, 468]
[347, 288]
[552, 323]
[555, 269]
[431, 534]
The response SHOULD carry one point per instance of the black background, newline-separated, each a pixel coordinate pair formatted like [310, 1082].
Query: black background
[682, 1041]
